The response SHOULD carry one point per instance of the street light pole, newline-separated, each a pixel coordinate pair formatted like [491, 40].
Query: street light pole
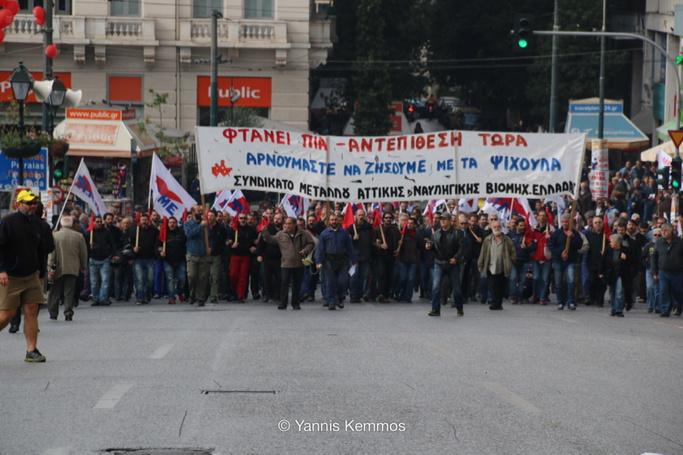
[601, 113]
[21, 83]
[48, 74]
[554, 71]
[214, 68]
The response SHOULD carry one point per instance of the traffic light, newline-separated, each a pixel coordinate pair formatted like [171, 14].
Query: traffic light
[58, 172]
[679, 60]
[523, 32]
[676, 174]
[663, 177]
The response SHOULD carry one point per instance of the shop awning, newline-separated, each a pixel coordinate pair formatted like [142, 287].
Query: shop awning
[651, 154]
[663, 131]
[104, 133]
[619, 131]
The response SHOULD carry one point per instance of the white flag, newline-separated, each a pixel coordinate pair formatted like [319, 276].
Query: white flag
[169, 198]
[295, 206]
[84, 188]
[468, 205]
[663, 159]
[220, 204]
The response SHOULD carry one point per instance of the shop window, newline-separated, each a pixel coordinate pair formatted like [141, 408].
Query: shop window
[126, 91]
[258, 9]
[203, 8]
[124, 7]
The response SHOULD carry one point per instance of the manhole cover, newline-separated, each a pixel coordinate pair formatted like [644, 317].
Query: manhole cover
[158, 451]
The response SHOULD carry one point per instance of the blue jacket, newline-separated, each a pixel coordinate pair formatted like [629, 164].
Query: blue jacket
[195, 238]
[335, 242]
[558, 241]
[522, 252]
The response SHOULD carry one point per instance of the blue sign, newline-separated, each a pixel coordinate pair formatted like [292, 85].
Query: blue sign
[617, 126]
[35, 172]
[595, 108]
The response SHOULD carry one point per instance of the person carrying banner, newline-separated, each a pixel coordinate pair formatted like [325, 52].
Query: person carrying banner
[362, 235]
[387, 236]
[23, 244]
[198, 257]
[242, 242]
[294, 245]
[564, 245]
[144, 250]
[448, 258]
[100, 248]
[173, 251]
[333, 255]
[496, 261]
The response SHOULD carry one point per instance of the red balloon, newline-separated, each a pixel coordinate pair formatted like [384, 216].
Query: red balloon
[12, 6]
[6, 18]
[2, 35]
[3, 3]
[51, 51]
[39, 14]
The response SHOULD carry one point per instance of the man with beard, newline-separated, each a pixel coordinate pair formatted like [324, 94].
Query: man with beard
[198, 256]
[597, 247]
[242, 242]
[496, 261]
[386, 242]
[362, 236]
[333, 255]
[173, 253]
[269, 256]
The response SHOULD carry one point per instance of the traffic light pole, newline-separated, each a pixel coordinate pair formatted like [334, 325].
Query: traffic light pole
[636, 36]
[213, 110]
[601, 114]
[554, 70]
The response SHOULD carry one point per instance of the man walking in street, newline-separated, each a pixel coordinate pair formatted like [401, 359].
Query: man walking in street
[333, 255]
[564, 245]
[242, 244]
[294, 244]
[448, 257]
[362, 234]
[145, 253]
[217, 237]
[667, 268]
[173, 254]
[69, 258]
[198, 256]
[22, 247]
[496, 261]
[101, 248]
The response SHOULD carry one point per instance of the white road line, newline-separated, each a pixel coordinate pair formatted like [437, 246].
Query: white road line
[161, 352]
[511, 397]
[112, 396]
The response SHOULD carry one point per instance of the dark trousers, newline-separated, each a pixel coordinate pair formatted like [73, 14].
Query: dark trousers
[63, 290]
[295, 277]
[497, 285]
[596, 288]
[628, 290]
[335, 281]
[254, 277]
[384, 272]
[271, 278]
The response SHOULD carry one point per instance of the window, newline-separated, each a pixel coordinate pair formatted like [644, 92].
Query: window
[125, 7]
[203, 8]
[60, 6]
[126, 91]
[258, 9]
[28, 5]
[63, 6]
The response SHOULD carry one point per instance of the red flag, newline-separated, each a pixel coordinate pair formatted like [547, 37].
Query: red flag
[263, 224]
[605, 226]
[91, 224]
[551, 218]
[347, 222]
[183, 219]
[163, 231]
[138, 215]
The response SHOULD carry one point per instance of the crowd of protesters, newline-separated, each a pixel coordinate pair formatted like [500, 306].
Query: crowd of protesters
[626, 247]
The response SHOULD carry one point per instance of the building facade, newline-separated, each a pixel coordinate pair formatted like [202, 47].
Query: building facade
[116, 51]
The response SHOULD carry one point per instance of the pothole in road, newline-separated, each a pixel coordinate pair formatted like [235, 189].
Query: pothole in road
[159, 451]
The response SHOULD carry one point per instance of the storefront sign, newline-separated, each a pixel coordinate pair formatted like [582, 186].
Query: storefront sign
[100, 114]
[90, 134]
[247, 91]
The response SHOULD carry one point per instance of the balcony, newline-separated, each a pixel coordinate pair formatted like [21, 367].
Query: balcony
[235, 33]
[80, 31]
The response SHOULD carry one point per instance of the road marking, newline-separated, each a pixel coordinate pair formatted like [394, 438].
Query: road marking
[112, 396]
[161, 352]
[511, 397]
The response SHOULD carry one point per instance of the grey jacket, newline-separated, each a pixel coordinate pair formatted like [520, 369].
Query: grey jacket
[291, 247]
[508, 254]
[70, 255]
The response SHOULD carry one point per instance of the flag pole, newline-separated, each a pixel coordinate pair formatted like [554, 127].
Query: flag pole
[61, 212]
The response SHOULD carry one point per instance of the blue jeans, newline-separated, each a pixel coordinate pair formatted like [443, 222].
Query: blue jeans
[516, 283]
[175, 278]
[99, 279]
[307, 284]
[652, 287]
[541, 278]
[159, 278]
[359, 281]
[406, 280]
[560, 268]
[670, 290]
[426, 278]
[335, 282]
[144, 278]
[438, 273]
[616, 293]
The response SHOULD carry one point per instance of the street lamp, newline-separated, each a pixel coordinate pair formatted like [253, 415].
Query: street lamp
[54, 101]
[21, 83]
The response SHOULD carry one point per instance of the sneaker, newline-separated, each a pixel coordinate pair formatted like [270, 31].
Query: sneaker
[181, 298]
[95, 303]
[677, 312]
[34, 357]
[68, 318]
[140, 302]
[296, 307]
[572, 307]
[331, 307]
[461, 313]
[340, 305]
[171, 301]
[621, 315]
[544, 302]
[434, 313]
[282, 307]
[650, 310]
[560, 307]
[13, 328]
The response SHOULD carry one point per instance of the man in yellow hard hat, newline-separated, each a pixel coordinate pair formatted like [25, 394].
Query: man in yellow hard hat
[23, 247]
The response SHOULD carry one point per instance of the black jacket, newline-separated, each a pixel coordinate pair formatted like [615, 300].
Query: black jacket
[147, 243]
[364, 245]
[102, 245]
[391, 235]
[218, 234]
[448, 245]
[411, 247]
[595, 249]
[668, 257]
[614, 267]
[267, 250]
[175, 246]
[22, 244]
[246, 238]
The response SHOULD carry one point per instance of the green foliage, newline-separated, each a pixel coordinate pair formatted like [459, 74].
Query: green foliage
[168, 145]
[243, 117]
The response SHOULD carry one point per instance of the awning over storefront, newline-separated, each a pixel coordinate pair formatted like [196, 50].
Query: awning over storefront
[620, 132]
[651, 154]
[105, 132]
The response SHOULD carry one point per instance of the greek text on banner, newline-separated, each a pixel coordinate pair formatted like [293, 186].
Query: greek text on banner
[445, 164]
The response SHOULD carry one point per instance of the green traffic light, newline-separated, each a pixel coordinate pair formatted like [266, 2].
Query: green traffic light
[522, 43]
[679, 60]
[676, 184]
[58, 173]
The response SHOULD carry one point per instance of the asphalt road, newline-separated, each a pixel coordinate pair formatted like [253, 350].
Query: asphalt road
[526, 380]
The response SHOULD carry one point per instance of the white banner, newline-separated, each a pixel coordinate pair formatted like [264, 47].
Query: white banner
[446, 164]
